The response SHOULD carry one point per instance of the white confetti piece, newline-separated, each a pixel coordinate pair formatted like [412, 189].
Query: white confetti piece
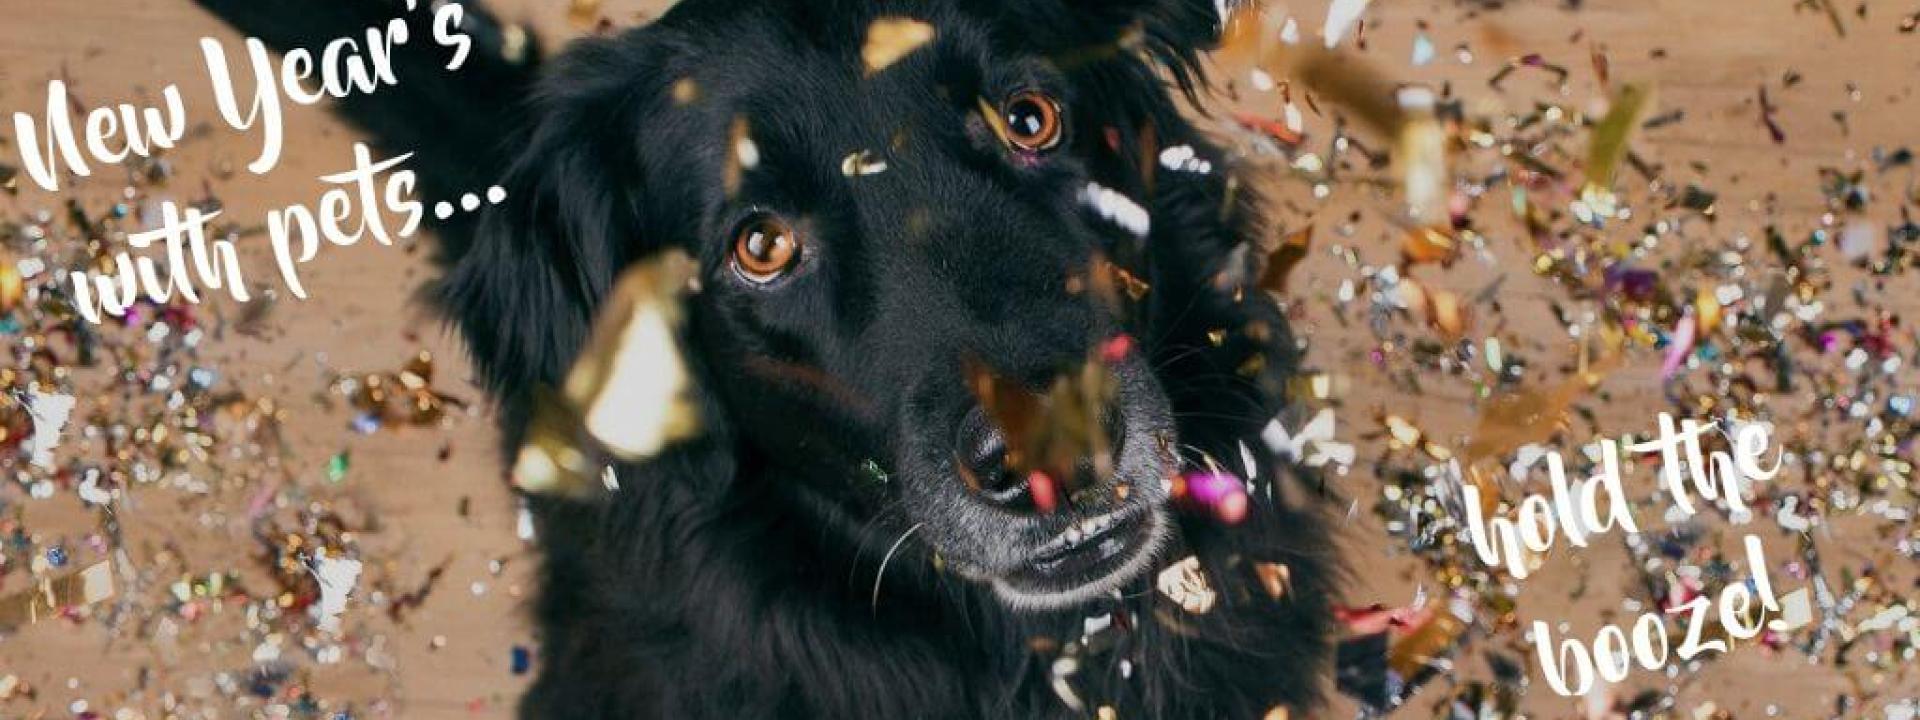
[1795, 612]
[1342, 15]
[50, 414]
[1117, 208]
[337, 576]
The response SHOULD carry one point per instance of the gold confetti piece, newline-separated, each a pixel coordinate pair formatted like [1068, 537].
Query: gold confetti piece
[685, 91]
[1429, 244]
[861, 163]
[1512, 418]
[1447, 313]
[1281, 262]
[1135, 288]
[1278, 712]
[1249, 35]
[1707, 306]
[1186, 585]
[13, 287]
[1609, 144]
[1275, 578]
[1051, 433]
[1318, 386]
[1411, 653]
[1421, 153]
[50, 596]
[629, 395]
[514, 43]
[1404, 434]
[892, 38]
[584, 13]
[631, 383]
[742, 155]
[994, 121]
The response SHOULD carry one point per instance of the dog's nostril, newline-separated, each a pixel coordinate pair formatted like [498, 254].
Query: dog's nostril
[982, 453]
[990, 453]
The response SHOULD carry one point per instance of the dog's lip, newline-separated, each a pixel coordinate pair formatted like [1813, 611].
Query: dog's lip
[1095, 568]
[1084, 533]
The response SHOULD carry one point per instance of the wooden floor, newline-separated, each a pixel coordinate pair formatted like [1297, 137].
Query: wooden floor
[1840, 99]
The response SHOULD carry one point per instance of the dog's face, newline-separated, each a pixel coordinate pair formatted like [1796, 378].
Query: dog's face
[866, 236]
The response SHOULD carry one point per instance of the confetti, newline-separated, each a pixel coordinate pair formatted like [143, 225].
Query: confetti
[1283, 259]
[1219, 493]
[1610, 137]
[1186, 585]
[1314, 445]
[1421, 153]
[336, 576]
[51, 596]
[1342, 15]
[49, 412]
[1048, 434]
[892, 38]
[629, 394]
[862, 163]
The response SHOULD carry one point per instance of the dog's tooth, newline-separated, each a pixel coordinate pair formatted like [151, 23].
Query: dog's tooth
[1105, 522]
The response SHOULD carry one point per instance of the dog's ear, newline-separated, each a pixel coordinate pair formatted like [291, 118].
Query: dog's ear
[525, 290]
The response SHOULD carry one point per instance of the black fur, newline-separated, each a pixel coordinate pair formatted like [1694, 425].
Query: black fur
[741, 574]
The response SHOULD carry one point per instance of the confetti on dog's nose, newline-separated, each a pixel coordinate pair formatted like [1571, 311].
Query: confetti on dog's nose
[1046, 494]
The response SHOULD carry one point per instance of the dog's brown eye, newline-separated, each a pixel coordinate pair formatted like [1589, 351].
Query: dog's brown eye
[764, 248]
[1033, 121]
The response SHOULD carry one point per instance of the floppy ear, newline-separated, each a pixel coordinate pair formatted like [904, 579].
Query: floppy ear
[525, 290]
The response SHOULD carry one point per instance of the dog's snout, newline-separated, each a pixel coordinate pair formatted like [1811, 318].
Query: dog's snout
[988, 463]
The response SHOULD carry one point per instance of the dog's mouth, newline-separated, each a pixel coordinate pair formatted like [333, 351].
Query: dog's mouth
[1092, 557]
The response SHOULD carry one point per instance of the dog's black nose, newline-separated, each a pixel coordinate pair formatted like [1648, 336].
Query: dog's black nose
[981, 453]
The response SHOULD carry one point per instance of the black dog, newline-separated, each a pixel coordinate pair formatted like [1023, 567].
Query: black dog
[843, 540]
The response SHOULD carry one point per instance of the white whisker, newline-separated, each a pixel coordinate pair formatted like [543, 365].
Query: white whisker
[882, 574]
